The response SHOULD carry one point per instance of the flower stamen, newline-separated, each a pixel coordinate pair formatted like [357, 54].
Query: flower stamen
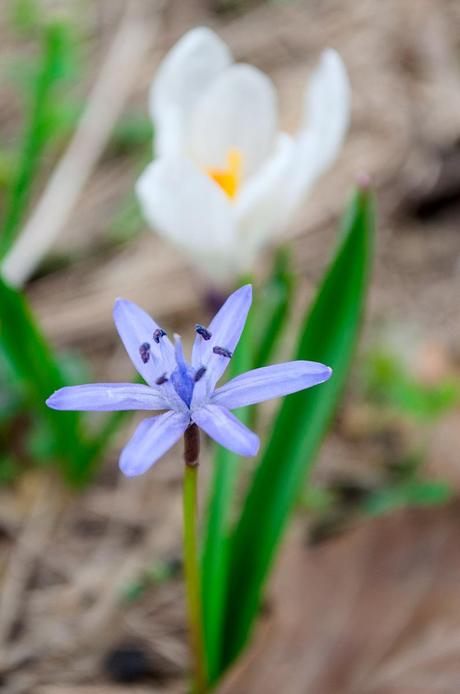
[202, 331]
[161, 379]
[157, 334]
[222, 352]
[200, 373]
[229, 179]
[144, 351]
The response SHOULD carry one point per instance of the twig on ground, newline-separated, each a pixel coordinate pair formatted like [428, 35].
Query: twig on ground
[110, 92]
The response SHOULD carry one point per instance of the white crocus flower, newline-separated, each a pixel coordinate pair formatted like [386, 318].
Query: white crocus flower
[225, 180]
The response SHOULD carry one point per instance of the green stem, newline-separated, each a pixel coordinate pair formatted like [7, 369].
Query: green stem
[191, 563]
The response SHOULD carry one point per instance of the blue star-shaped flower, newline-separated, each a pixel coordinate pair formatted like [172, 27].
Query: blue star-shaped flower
[187, 391]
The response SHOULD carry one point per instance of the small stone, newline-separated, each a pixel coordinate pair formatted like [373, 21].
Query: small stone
[128, 663]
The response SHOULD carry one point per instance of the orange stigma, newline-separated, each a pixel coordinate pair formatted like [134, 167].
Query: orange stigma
[229, 179]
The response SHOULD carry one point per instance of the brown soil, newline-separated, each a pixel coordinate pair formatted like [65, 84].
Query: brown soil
[375, 610]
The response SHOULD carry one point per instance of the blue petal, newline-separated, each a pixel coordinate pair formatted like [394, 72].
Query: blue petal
[270, 382]
[225, 328]
[222, 426]
[136, 328]
[152, 438]
[106, 397]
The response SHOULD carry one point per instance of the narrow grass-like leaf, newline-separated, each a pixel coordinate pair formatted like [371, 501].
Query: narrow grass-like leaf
[273, 308]
[38, 374]
[221, 498]
[260, 338]
[329, 336]
[39, 128]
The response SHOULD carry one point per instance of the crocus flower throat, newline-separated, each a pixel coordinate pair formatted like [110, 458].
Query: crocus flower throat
[229, 179]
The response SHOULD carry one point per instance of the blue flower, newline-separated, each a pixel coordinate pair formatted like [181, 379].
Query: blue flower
[186, 391]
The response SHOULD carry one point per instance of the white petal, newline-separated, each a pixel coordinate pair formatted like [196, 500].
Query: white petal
[185, 206]
[237, 111]
[327, 105]
[261, 208]
[326, 119]
[189, 67]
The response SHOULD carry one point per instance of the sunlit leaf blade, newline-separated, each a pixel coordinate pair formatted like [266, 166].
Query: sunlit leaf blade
[329, 336]
[273, 308]
[38, 375]
[215, 547]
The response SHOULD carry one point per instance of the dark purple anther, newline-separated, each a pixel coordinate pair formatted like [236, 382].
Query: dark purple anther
[161, 379]
[222, 352]
[200, 373]
[201, 330]
[157, 334]
[144, 351]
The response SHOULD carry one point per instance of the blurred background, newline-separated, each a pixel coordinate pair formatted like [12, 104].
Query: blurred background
[365, 597]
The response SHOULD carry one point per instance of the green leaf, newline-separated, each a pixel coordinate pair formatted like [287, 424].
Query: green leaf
[24, 15]
[127, 221]
[134, 131]
[38, 374]
[215, 548]
[8, 470]
[273, 306]
[328, 335]
[390, 383]
[55, 66]
[261, 335]
[412, 493]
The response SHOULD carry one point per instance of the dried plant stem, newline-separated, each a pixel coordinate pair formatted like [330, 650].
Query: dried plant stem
[191, 562]
[105, 103]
